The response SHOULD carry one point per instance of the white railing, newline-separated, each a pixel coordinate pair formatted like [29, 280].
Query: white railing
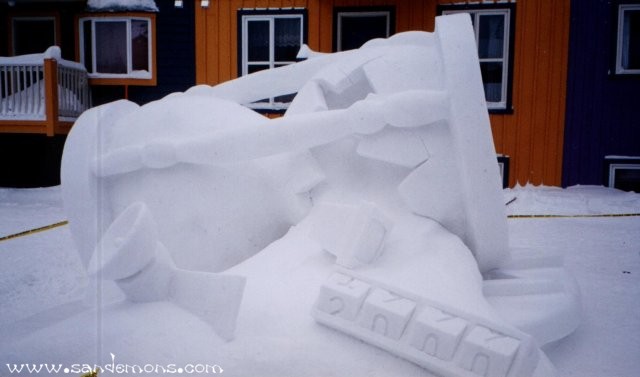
[22, 91]
[42, 87]
[73, 91]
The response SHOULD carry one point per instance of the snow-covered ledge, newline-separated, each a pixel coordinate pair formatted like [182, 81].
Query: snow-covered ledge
[122, 5]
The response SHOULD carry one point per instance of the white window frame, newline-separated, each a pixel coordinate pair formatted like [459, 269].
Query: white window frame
[353, 14]
[620, 166]
[271, 18]
[619, 68]
[131, 74]
[32, 18]
[506, 13]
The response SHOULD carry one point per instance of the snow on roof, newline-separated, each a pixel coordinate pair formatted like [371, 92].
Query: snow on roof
[122, 5]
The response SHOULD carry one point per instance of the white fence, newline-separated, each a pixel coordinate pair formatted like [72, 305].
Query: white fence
[24, 88]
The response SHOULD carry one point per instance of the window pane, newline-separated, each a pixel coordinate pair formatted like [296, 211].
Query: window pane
[111, 46]
[251, 68]
[631, 40]
[140, 45]
[287, 38]
[88, 54]
[258, 40]
[287, 98]
[33, 36]
[491, 36]
[492, 79]
[357, 29]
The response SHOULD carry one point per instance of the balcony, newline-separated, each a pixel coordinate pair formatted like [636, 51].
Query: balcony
[41, 93]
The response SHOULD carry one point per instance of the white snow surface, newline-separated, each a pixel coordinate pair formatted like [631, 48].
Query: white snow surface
[41, 280]
[120, 5]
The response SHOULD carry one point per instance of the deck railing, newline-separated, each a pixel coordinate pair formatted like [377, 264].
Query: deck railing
[41, 93]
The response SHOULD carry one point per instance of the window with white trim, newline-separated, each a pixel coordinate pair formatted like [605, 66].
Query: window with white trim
[493, 30]
[628, 39]
[117, 47]
[355, 26]
[270, 39]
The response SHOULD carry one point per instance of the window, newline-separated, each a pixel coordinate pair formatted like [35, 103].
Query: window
[119, 48]
[622, 173]
[355, 26]
[33, 35]
[493, 28]
[628, 40]
[270, 39]
[503, 164]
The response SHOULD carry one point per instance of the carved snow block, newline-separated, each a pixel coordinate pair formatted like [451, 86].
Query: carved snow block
[386, 313]
[342, 296]
[437, 333]
[488, 353]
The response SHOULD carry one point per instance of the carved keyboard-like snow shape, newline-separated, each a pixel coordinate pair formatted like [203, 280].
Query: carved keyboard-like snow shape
[442, 340]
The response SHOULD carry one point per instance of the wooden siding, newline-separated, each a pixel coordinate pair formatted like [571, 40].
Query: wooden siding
[217, 29]
[603, 112]
[532, 135]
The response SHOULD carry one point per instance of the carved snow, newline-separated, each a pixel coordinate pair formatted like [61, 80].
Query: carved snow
[443, 340]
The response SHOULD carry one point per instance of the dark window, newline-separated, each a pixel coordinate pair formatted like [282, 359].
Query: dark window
[116, 47]
[628, 40]
[270, 39]
[622, 173]
[355, 26]
[111, 47]
[140, 45]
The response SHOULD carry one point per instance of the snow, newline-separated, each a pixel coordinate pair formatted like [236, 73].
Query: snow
[52, 52]
[122, 5]
[353, 236]
[43, 321]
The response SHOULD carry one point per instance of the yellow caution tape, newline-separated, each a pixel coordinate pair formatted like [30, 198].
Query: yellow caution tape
[572, 216]
[32, 231]
[63, 223]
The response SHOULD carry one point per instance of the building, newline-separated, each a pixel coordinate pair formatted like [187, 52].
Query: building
[532, 54]
[602, 129]
[160, 59]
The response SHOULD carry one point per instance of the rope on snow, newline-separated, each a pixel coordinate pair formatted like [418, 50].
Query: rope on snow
[32, 231]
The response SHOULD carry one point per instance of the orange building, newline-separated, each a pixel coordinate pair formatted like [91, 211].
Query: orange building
[523, 48]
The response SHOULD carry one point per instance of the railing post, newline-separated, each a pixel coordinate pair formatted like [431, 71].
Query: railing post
[51, 94]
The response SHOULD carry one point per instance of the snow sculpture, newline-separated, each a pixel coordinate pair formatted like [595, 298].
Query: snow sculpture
[384, 160]
[130, 254]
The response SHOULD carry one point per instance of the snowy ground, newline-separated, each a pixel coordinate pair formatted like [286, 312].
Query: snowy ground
[43, 318]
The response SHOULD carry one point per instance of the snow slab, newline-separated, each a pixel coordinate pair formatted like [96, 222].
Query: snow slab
[42, 319]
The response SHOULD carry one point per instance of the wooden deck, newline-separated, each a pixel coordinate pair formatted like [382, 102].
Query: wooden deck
[41, 97]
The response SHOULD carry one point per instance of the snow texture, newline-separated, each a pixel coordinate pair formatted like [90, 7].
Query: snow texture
[122, 5]
[373, 207]
[52, 52]
[42, 278]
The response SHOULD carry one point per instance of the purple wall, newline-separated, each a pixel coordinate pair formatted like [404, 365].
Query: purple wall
[603, 110]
